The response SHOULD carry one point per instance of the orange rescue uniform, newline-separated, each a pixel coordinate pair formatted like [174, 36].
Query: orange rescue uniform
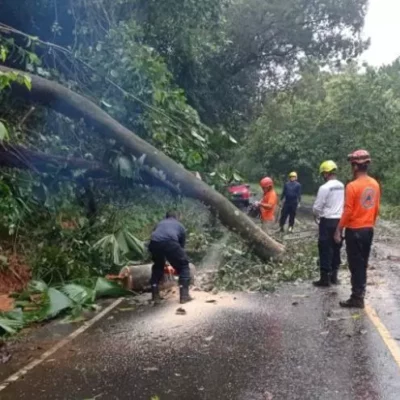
[268, 205]
[362, 202]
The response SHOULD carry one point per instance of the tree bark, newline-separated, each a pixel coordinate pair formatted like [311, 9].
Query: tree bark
[21, 157]
[73, 105]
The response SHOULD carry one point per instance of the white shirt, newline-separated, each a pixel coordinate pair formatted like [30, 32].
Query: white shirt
[330, 200]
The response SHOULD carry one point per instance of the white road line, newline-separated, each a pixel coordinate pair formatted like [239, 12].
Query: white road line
[34, 363]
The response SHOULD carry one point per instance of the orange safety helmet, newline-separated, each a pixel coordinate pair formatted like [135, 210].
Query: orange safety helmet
[359, 157]
[266, 182]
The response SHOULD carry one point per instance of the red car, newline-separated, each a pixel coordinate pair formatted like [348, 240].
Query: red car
[239, 194]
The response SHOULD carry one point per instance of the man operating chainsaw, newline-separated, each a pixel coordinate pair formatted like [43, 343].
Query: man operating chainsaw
[168, 243]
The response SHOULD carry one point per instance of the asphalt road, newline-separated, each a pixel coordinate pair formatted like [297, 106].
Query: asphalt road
[285, 346]
[293, 344]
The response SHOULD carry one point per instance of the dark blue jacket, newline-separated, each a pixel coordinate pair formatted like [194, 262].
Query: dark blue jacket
[291, 192]
[169, 230]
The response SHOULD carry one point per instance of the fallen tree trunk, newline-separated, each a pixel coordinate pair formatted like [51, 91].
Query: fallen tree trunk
[21, 157]
[73, 105]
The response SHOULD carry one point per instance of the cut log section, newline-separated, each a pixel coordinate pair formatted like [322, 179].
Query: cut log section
[137, 277]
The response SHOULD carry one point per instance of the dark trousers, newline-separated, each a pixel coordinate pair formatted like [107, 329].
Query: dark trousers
[174, 254]
[329, 250]
[288, 210]
[358, 248]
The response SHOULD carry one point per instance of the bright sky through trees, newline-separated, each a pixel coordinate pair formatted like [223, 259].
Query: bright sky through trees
[382, 26]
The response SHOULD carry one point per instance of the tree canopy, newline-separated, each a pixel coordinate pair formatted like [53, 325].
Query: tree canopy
[223, 87]
[325, 116]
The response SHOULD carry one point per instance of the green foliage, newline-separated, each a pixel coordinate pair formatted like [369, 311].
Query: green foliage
[327, 119]
[7, 78]
[79, 295]
[223, 176]
[11, 322]
[390, 212]
[57, 302]
[105, 288]
[40, 302]
[15, 203]
[156, 64]
[188, 77]
[48, 225]
[151, 104]
[241, 270]
[119, 247]
[3, 132]
[264, 41]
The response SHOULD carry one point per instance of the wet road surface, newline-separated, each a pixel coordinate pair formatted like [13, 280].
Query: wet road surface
[245, 347]
[293, 344]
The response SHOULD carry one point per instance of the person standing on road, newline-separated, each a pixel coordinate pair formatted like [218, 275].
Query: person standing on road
[328, 208]
[268, 203]
[168, 243]
[291, 197]
[361, 209]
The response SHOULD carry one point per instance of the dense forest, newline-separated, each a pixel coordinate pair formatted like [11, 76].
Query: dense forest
[228, 88]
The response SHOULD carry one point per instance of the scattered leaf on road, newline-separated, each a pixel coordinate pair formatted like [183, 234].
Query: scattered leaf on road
[180, 311]
[126, 309]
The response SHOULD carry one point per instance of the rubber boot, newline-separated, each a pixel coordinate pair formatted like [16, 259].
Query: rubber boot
[324, 280]
[184, 296]
[334, 277]
[290, 230]
[155, 294]
[353, 302]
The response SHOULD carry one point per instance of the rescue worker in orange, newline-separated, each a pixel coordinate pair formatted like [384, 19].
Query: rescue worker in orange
[268, 203]
[361, 209]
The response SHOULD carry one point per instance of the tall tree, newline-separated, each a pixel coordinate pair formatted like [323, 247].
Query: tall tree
[326, 116]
